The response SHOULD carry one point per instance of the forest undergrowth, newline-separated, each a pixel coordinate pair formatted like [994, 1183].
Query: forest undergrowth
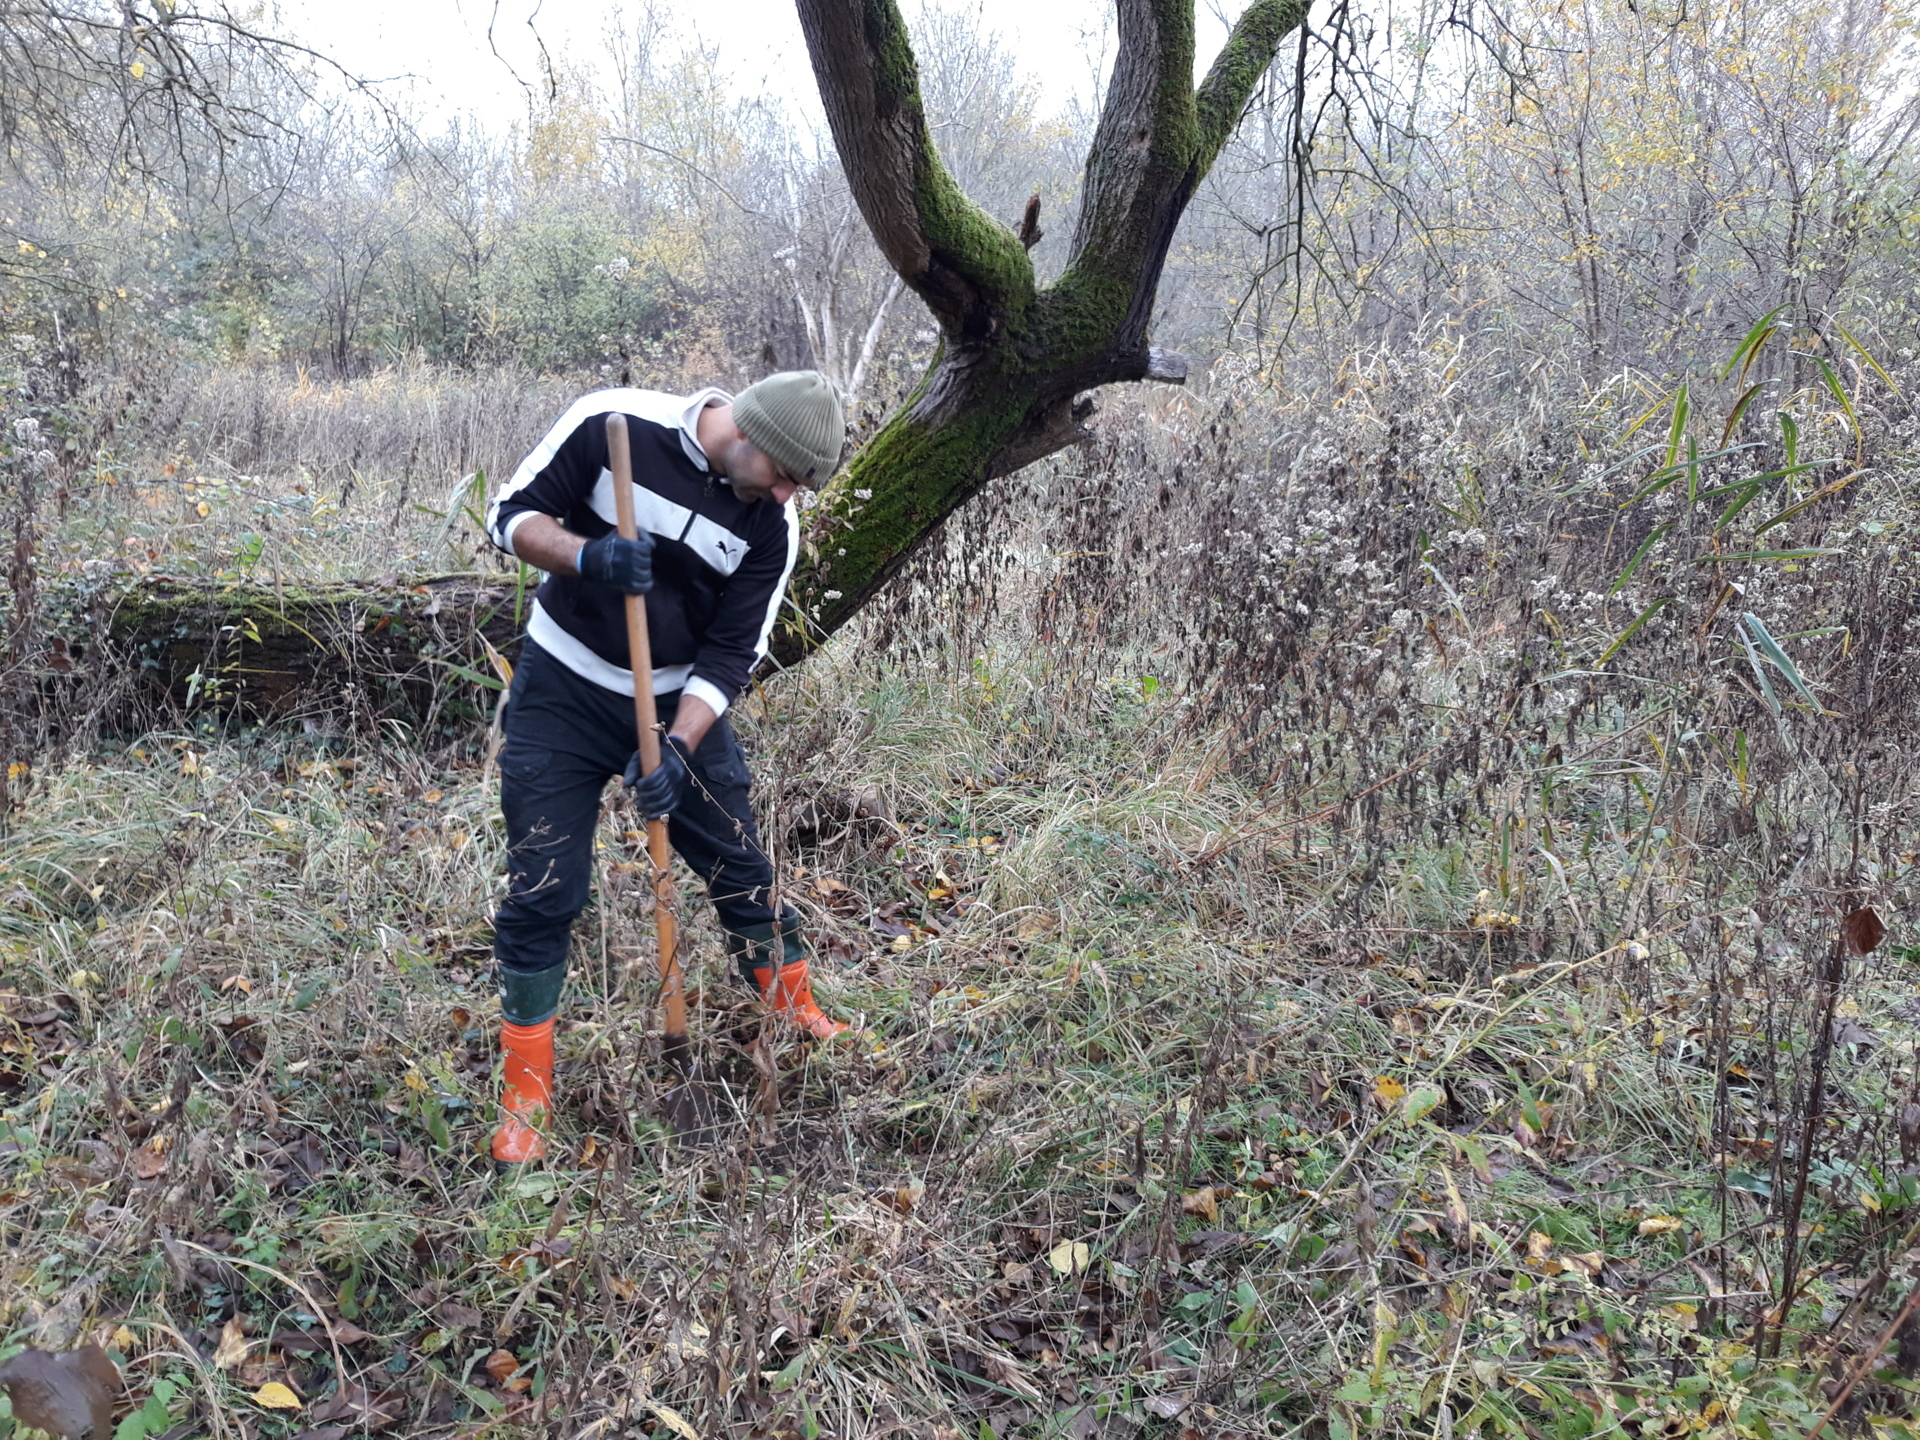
[1366, 922]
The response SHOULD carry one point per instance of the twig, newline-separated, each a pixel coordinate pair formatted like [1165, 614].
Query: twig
[1866, 1363]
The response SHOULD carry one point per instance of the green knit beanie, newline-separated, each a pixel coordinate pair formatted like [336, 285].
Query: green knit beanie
[797, 418]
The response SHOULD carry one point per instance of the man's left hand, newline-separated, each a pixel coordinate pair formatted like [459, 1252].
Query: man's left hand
[660, 793]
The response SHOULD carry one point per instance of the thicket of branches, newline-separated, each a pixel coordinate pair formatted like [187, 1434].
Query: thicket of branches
[1630, 186]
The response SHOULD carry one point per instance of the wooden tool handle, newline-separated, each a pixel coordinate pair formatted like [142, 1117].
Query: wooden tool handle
[639, 648]
[646, 720]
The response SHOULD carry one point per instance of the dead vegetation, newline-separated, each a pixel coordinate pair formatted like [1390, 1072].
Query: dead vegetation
[1340, 955]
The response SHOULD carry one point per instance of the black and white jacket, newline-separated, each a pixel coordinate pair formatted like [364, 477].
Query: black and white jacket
[720, 565]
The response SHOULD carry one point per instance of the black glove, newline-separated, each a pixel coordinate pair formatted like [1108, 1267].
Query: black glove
[626, 565]
[660, 793]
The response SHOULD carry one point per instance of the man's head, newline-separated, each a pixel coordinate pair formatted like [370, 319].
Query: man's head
[780, 434]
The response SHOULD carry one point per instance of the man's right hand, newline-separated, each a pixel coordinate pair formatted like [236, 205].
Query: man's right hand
[621, 564]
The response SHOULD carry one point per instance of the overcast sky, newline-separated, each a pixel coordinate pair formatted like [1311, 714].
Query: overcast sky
[446, 47]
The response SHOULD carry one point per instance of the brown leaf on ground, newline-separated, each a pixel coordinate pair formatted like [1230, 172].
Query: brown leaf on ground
[345, 1332]
[1202, 1202]
[148, 1162]
[69, 1394]
[361, 1409]
[904, 1199]
[500, 1365]
[456, 1316]
[232, 1349]
[306, 1161]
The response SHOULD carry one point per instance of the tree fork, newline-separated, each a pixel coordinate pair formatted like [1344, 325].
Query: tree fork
[1007, 385]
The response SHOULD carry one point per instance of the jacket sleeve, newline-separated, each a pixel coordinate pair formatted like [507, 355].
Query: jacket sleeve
[557, 477]
[737, 639]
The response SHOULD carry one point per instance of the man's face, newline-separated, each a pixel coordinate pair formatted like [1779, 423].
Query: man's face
[754, 474]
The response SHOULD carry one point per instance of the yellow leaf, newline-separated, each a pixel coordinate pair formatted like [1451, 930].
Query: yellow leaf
[1070, 1257]
[1388, 1091]
[672, 1419]
[1539, 1245]
[415, 1081]
[1659, 1224]
[139, 68]
[124, 1340]
[276, 1396]
[203, 509]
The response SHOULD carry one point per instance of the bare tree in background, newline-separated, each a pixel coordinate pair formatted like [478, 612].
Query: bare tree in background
[141, 86]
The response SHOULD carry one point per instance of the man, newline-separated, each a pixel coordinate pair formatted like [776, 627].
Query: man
[714, 480]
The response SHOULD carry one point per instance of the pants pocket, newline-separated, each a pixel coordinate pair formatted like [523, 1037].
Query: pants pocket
[522, 762]
[721, 762]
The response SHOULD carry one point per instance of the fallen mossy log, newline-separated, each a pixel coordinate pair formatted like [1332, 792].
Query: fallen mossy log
[431, 653]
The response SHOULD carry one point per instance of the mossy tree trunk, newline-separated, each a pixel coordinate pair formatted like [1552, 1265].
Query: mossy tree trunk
[1008, 384]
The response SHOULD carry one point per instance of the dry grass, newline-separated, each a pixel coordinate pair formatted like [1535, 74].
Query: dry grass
[1412, 1017]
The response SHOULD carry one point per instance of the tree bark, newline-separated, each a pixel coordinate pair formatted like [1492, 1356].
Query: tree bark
[1007, 385]
[420, 653]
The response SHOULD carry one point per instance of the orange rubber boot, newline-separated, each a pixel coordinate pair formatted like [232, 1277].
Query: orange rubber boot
[526, 1094]
[792, 995]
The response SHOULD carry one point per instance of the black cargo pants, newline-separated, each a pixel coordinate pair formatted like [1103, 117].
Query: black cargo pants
[565, 737]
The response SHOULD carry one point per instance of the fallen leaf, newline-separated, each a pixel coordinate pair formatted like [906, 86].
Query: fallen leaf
[1588, 1264]
[345, 1332]
[1166, 1407]
[275, 1396]
[361, 1409]
[70, 1393]
[148, 1162]
[232, 1349]
[1863, 931]
[1659, 1224]
[1070, 1257]
[1422, 1101]
[500, 1365]
[1202, 1202]
[1539, 1245]
[672, 1419]
[906, 1198]
[457, 1316]
[1459, 1219]
[1388, 1092]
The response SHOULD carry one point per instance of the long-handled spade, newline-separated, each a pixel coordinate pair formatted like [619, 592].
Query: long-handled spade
[687, 1108]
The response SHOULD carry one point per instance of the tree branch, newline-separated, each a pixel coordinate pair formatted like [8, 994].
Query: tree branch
[1223, 95]
[968, 267]
[1156, 141]
[1145, 137]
